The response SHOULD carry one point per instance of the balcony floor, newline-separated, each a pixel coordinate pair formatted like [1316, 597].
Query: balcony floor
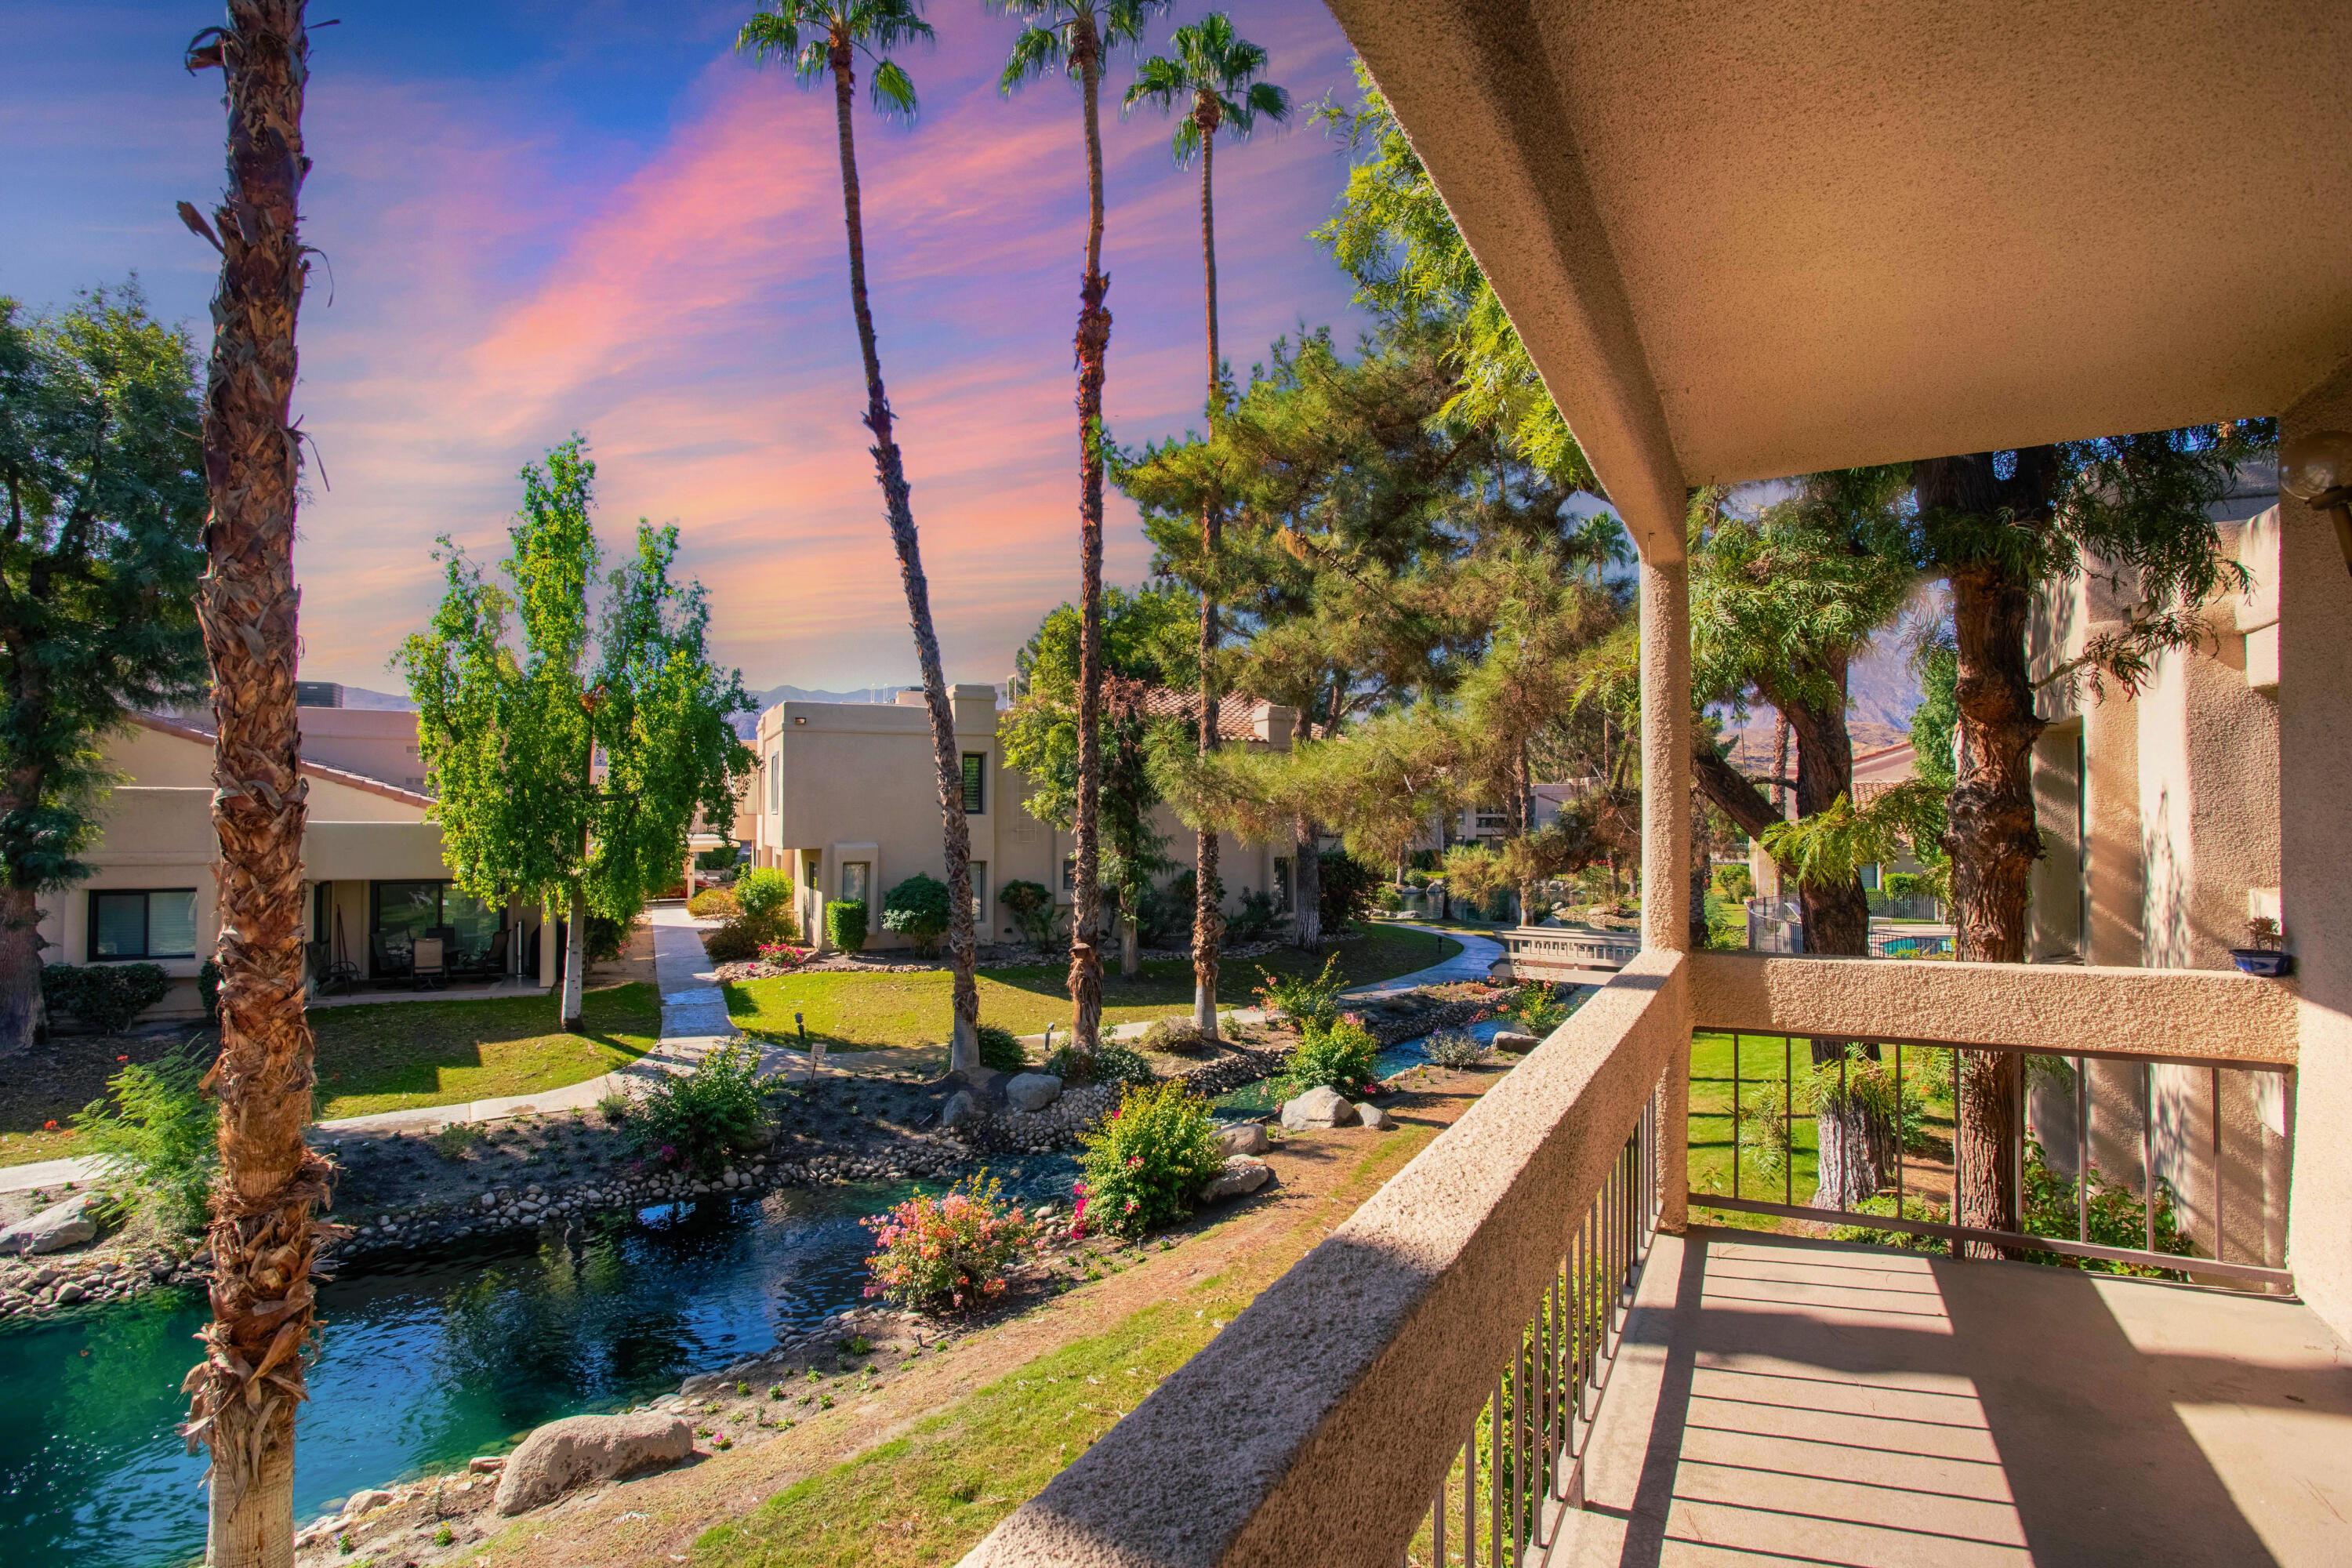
[1789, 1401]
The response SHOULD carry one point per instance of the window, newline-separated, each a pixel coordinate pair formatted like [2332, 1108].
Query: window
[400, 912]
[1282, 883]
[975, 783]
[160, 923]
[980, 892]
[855, 876]
[1069, 873]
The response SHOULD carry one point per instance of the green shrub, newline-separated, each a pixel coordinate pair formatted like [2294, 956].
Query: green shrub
[1000, 1049]
[739, 940]
[695, 1121]
[1456, 1050]
[713, 904]
[208, 979]
[159, 1133]
[918, 909]
[763, 890]
[1310, 1003]
[1146, 1164]
[1386, 898]
[1538, 1008]
[845, 923]
[1257, 917]
[1030, 905]
[951, 1251]
[1416, 878]
[1112, 1064]
[105, 996]
[452, 1142]
[1342, 1054]
[1736, 883]
[605, 938]
[1179, 1035]
[1347, 889]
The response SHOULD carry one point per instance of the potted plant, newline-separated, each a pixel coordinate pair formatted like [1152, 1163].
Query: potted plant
[2261, 955]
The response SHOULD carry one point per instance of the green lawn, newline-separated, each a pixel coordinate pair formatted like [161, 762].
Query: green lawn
[396, 1056]
[862, 1012]
[1762, 1069]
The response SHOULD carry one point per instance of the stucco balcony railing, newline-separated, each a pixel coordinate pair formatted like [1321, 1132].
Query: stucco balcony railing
[1427, 1385]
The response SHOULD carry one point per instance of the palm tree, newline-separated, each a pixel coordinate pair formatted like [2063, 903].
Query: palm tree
[1074, 36]
[822, 39]
[263, 1237]
[1208, 76]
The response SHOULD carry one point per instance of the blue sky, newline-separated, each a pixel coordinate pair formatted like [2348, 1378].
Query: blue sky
[538, 218]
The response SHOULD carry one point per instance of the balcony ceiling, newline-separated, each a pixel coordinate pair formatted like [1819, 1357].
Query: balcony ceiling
[1744, 240]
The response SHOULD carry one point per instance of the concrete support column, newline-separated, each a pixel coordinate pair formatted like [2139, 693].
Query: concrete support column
[2314, 728]
[1667, 837]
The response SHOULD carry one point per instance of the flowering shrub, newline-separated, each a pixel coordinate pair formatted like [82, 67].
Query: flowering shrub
[696, 1120]
[1311, 1003]
[947, 1252]
[1456, 1049]
[782, 952]
[1343, 1054]
[1146, 1164]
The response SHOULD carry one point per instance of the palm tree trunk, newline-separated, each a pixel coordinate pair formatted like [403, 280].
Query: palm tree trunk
[963, 1056]
[263, 1237]
[1208, 914]
[1093, 347]
[1990, 829]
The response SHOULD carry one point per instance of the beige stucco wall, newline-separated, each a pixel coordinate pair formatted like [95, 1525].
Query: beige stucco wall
[842, 783]
[378, 743]
[2314, 695]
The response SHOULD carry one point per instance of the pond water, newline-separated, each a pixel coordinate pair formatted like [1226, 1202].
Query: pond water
[428, 1359]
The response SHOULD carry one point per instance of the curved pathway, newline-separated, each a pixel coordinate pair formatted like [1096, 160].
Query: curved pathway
[1478, 955]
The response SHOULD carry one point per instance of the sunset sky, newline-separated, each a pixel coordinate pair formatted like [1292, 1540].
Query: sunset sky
[538, 217]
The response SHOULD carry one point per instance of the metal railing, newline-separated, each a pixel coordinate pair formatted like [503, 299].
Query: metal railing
[2067, 1078]
[1521, 1466]
[1533, 951]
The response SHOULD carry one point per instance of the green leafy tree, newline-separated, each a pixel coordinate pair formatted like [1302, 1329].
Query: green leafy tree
[823, 40]
[100, 554]
[1210, 79]
[1145, 634]
[1073, 36]
[571, 740]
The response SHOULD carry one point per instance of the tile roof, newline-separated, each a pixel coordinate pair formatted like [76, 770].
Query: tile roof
[315, 770]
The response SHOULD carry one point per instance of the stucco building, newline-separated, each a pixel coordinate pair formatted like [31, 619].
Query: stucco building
[845, 798]
[375, 877]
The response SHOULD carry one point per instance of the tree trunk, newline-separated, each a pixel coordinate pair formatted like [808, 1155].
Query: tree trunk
[1857, 1148]
[574, 1007]
[263, 1237]
[1702, 871]
[1130, 955]
[963, 1053]
[1093, 347]
[1837, 916]
[24, 1016]
[1208, 915]
[1306, 885]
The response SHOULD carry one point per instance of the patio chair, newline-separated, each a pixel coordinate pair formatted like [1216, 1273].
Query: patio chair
[391, 957]
[494, 962]
[425, 969]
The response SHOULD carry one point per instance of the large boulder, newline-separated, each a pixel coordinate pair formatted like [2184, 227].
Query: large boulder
[583, 1449]
[1244, 1138]
[1324, 1107]
[1032, 1091]
[1241, 1175]
[1373, 1117]
[963, 1106]
[53, 1229]
[1513, 1041]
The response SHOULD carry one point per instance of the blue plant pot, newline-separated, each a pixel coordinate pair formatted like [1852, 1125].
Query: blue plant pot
[2263, 962]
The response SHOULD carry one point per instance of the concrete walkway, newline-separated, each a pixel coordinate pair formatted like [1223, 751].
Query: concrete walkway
[1784, 1400]
[694, 1018]
[1478, 955]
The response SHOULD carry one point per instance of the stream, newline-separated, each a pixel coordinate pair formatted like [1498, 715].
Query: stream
[430, 1358]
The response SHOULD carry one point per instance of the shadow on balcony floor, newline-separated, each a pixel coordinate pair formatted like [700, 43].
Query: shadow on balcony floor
[1793, 1401]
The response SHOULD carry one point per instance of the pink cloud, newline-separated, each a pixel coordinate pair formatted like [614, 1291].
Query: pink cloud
[687, 309]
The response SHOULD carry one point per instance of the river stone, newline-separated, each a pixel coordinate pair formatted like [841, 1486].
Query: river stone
[1032, 1090]
[1511, 1040]
[1324, 1107]
[1373, 1117]
[1247, 1138]
[53, 1229]
[580, 1449]
[362, 1501]
[1241, 1175]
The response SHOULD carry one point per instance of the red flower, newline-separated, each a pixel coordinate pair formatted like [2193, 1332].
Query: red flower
[123, 1059]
